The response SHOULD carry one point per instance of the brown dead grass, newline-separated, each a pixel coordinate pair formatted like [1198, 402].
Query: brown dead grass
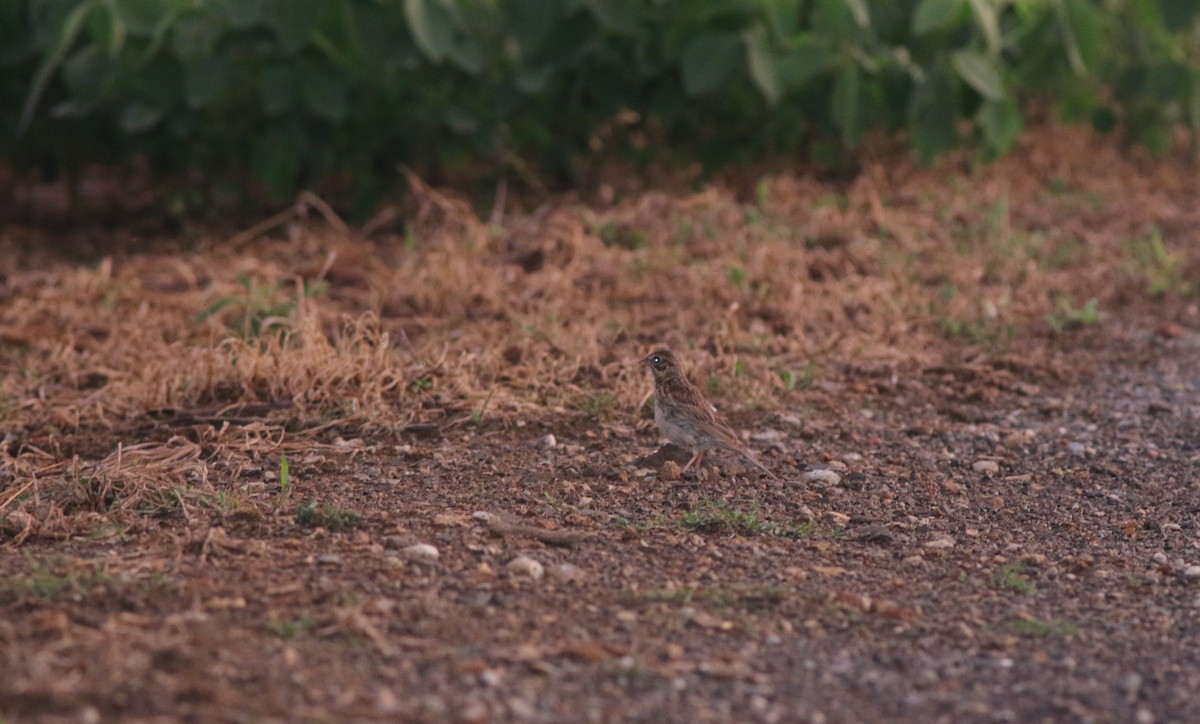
[125, 381]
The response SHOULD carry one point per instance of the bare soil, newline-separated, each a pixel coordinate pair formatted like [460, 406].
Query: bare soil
[979, 387]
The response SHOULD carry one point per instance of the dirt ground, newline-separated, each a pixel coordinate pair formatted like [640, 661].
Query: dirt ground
[979, 387]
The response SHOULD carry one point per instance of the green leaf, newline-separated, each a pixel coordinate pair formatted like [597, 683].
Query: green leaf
[707, 61]
[1169, 81]
[980, 73]
[293, 21]
[532, 81]
[324, 92]
[139, 116]
[63, 41]
[1179, 15]
[106, 29]
[1081, 23]
[276, 161]
[988, 22]
[441, 33]
[195, 35]
[835, 20]
[619, 16]
[1001, 123]
[807, 60]
[783, 16]
[529, 22]
[847, 104]
[141, 18]
[383, 37]
[205, 79]
[240, 14]
[933, 119]
[84, 74]
[278, 88]
[762, 64]
[932, 15]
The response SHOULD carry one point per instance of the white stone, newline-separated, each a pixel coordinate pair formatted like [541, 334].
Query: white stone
[421, 551]
[526, 566]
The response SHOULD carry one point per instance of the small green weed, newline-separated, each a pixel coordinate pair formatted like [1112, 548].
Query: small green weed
[990, 333]
[1067, 316]
[50, 585]
[737, 277]
[597, 403]
[713, 518]
[309, 515]
[803, 380]
[285, 478]
[1161, 268]
[261, 309]
[1013, 577]
[291, 629]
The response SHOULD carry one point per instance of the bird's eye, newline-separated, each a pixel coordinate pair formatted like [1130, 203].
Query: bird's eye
[656, 360]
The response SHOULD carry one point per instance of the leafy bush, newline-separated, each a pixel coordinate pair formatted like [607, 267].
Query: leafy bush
[297, 91]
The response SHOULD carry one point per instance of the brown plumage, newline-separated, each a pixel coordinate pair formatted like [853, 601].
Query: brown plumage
[686, 418]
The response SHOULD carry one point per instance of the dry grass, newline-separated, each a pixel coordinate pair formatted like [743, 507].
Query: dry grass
[126, 381]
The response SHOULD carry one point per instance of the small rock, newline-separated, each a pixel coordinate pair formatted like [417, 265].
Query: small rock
[1191, 572]
[989, 467]
[852, 457]
[526, 566]
[837, 518]
[1077, 449]
[872, 533]
[547, 441]
[767, 435]
[1132, 685]
[669, 470]
[567, 572]
[791, 419]
[1158, 407]
[940, 541]
[822, 475]
[329, 559]
[421, 552]
[1160, 558]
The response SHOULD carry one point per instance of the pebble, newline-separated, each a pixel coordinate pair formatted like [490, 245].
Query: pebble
[986, 466]
[940, 541]
[329, 559]
[524, 565]
[1077, 449]
[421, 552]
[823, 475]
[567, 572]
[1160, 558]
[547, 441]
[1191, 572]
[767, 435]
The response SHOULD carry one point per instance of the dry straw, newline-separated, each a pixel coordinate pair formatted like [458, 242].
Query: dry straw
[126, 382]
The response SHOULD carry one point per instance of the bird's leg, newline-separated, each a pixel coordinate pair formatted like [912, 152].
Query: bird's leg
[694, 461]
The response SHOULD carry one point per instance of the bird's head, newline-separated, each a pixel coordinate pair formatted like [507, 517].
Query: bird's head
[661, 363]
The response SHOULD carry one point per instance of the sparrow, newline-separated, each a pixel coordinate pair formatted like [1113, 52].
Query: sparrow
[687, 419]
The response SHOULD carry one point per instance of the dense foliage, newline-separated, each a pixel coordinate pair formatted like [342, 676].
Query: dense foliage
[293, 91]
